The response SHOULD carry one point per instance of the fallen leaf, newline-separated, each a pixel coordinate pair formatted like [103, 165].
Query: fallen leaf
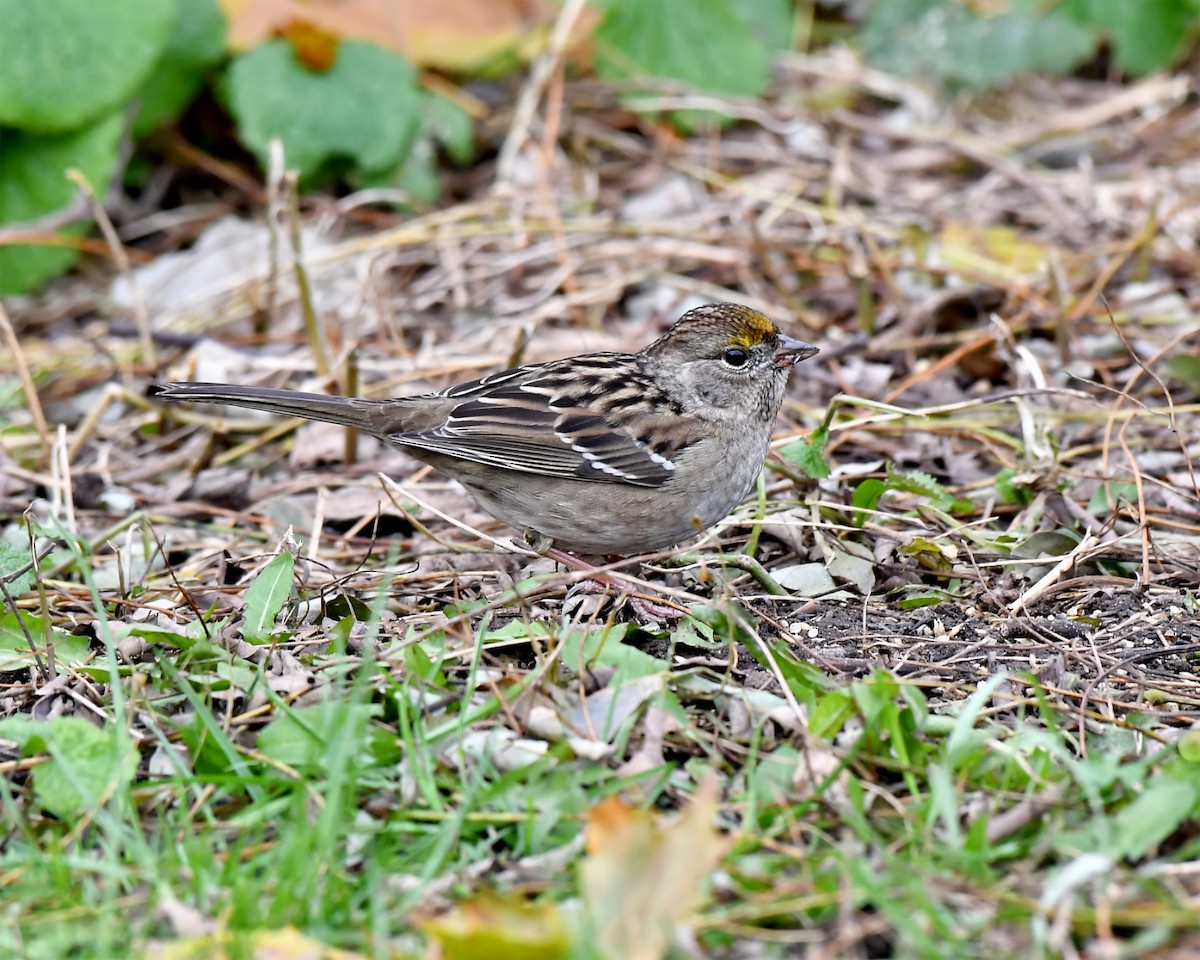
[500, 928]
[287, 943]
[991, 252]
[314, 47]
[639, 880]
[462, 36]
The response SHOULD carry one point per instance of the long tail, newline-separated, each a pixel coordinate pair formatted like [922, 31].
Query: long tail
[365, 415]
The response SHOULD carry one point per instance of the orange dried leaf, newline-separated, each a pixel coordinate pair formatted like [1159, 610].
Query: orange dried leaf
[315, 47]
[640, 880]
[457, 35]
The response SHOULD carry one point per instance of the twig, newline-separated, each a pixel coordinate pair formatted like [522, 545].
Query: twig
[739, 561]
[31, 395]
[141, 315]
[1035, 592]
[531, 92]
[312, 325]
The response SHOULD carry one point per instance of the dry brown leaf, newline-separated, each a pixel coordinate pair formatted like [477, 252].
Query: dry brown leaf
[456, 35]
[315, 47]
[638, 880]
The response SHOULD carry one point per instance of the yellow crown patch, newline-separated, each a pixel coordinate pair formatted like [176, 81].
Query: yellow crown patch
[751, 327]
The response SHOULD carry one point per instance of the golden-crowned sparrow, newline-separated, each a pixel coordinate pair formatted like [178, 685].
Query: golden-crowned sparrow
[604, 453]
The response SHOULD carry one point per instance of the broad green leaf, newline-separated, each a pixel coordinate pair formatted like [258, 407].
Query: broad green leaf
[14, 558]
[304, 736]
[444, 124]
[64, 63]
[1189, 746]
[866, 498]
[951, 43]
[14, 645]
[450, 125]
[33, 183]
[1154, 816]
[1012, 493]
[587, 649]
[808, 454]
[87, 764]
[419, 664]
[830, 714]
[197, 41]
[1148, 35]
[931, 554]
[266, 597]
[366, 108]
[771, 21]
[702, 44]
[1185, 368]
[1109, 496]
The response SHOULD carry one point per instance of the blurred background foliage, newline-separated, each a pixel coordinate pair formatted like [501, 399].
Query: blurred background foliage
[378, 93]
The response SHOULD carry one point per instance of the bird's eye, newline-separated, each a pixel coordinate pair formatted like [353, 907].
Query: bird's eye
[736, 357]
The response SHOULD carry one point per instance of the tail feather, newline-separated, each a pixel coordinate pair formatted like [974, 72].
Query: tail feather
[364, 415]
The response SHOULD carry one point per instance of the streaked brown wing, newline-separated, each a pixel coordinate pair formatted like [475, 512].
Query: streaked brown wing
[551, 421]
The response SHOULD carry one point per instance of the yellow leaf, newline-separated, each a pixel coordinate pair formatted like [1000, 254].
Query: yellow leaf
[990, 251]
[500, 928]
[639, 880]
[454, 35]
[933, 555]
[287, 943]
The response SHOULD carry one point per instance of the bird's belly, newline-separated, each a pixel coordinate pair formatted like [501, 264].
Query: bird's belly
[608, 518]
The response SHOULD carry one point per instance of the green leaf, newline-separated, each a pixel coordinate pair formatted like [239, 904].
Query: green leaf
[954, 45]
[14, 645]
[734, 624]
[87, 764]
[366, 108]
[808, 454]
[64, 63]
[1189, 746]
[450, 125]
[830, 714]
[585, 650]
[33, 183]
[13, 558]
[866, 498]
[418, 176]
[922, 484]
[1109, 496]
[196, 43]
[1153, 816]
[1184, 367]
[928, 599]
[703, 45]
[266, 597]
[303, 737]
[1012, 493]
[1146, 36]
[771, 21]
[418, 663]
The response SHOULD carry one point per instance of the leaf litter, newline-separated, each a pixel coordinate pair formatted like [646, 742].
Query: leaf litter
[996, 581]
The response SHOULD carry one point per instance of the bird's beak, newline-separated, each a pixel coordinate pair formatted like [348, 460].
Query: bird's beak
[789, 352]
